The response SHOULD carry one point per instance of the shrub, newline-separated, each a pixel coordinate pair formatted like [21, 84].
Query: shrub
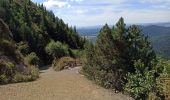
[122, 58]
[151, 85]
[7, 48]
[142, 82]
[23, 48]
[18, 77]
[10, 71]
[75, 53]
[33, 74]
[163, 81]
[6, 71]
[89, 67]
[32, 59]
[57, 49]
[60, 64]
[3, 78]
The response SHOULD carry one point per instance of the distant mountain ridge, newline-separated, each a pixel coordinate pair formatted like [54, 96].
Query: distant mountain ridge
[95, 29]
[158, 33]
[163, 24]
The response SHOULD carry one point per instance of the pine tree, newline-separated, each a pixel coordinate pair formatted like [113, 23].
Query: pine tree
[119, 51]
[140, 47]
[120, 29]
[109, 55]
[26, 14]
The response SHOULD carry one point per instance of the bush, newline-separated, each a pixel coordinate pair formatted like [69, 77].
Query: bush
[32, 59]
[89, 67]
[75, 53]
[60, 64]
[7, 48]
[33, 74]
[151, 85]
[142, 82]
[57, 49]
[10, 71]
[6, 71]
[23, 48]
[18, 77]
[3, 78]
[122, 59]
[163, 81]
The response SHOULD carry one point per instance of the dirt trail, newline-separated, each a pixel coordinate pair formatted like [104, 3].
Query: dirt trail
[63, 85]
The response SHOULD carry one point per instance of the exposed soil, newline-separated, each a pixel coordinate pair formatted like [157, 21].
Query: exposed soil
[63, 85]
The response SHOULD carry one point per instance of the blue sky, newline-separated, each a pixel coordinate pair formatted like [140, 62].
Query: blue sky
[82, 13]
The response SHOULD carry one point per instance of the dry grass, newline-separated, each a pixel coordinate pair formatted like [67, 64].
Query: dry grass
[61, 63]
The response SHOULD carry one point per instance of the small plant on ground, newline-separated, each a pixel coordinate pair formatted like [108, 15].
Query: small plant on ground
[32, 59]
[61, 63]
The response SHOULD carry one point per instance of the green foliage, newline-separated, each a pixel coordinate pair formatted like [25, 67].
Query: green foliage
[7, 48]
[10, 71]
[163, 81]
[12, 66]
[34, 74]
[75, 53]
[60, 64]
[23, 48]
[57, 49]
[32, 59]
[6, 71]
[122, 58]
[3, 78]
[88, 60]
[33, 24]
[140, 83]
[25, 31]
[166, 71]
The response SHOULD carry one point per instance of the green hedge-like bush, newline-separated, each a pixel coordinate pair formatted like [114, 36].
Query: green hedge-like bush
[57, 49]
[75, 53]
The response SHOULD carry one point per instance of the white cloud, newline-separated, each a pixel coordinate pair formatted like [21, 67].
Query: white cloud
[111, 17]
[80, 11]
[98, 12]
[76, 0]
[155, 1]
[55, 3]
[145, 16]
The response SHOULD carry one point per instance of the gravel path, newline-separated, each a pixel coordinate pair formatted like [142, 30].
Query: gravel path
[63, 85]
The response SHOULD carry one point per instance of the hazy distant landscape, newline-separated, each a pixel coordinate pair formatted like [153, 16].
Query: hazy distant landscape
[158, 33]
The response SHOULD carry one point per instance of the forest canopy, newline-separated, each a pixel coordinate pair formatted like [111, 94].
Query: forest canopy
[35, 26]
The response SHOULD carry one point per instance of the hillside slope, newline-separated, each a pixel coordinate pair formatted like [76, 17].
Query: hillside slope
[34, 25]
[12, 65]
